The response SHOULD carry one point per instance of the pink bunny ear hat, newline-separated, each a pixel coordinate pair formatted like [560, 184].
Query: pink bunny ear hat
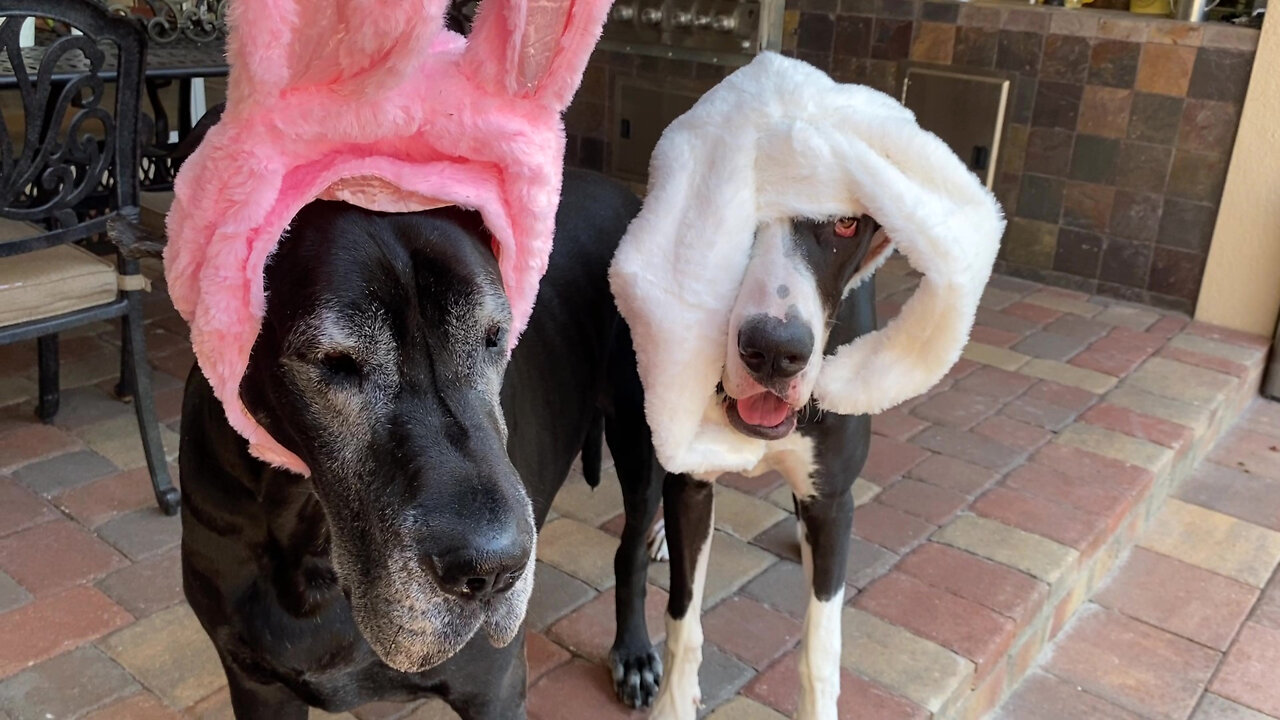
[779, 139]
[376, 104]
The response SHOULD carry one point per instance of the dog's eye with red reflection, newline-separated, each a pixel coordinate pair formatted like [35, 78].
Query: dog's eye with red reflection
[846, 227]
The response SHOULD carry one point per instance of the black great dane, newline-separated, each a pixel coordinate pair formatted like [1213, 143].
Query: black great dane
[395, 569]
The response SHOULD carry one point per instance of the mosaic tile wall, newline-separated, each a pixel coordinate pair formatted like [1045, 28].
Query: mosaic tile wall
[1116, 141]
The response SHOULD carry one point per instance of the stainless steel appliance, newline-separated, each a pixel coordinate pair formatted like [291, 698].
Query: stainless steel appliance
[727, 32]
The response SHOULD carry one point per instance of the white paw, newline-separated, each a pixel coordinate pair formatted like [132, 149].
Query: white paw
[657, 543]
[809, 712]
[676, 705]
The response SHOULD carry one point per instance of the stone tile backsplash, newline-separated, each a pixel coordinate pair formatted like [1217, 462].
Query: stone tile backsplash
[1116, 140]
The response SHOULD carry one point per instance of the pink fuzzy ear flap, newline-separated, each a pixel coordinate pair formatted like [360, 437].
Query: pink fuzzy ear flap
[536, 49]
[354, 45]
[374, 103]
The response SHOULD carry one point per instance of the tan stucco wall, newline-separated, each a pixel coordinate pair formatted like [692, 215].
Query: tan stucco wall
[1241, 287]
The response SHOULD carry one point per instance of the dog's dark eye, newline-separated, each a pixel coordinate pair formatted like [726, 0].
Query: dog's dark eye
[340, 366]
[493, 337]
[846, 227]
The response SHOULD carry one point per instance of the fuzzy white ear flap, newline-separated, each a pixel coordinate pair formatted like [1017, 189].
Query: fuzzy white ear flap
[779, 139]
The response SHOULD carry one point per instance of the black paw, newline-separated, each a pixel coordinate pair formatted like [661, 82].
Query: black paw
[636, 676]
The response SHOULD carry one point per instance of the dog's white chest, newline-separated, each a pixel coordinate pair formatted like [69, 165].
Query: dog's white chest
[793, 457]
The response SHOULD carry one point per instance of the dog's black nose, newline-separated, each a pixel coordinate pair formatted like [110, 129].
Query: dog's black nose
[484, 569]
[774, 349]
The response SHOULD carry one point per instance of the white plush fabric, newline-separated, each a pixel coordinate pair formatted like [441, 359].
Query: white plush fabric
[778, 139]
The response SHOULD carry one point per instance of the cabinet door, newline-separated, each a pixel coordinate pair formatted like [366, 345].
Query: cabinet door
[643, 112]
[966, 111]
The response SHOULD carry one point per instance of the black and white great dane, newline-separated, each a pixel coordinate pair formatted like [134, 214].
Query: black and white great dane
[398, 568]
[791, 311]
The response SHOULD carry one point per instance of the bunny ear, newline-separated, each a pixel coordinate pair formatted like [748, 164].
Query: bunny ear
[534, 49]
[278, 45]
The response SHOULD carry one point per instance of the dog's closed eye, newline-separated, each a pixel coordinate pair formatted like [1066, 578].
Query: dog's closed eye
[340, 367]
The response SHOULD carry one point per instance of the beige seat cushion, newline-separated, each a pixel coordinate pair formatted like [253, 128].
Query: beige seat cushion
[15, 230]
[52, 281]
[155, 206]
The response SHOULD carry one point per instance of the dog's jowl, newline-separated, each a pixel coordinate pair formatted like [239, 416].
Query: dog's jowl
[402, 566]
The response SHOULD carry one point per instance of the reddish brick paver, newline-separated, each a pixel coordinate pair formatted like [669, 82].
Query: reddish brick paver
[1017, 435]
[1136, 666]
[33, 442]
[750, 631]
[20, 508]
[990, 584]
[1228, 335]
[969, 447]
[1062, 523]
[1179, 597]
[1205, 360]
[1044, 697]
[888, 527]
[953, 474]
[928, 502]
[956, 408]
[859, 698]
[1250, 451]
[543, 655]
[993, 336]
[1085, 492]
[588, 631]
[889, 459]
[1120, 352]
[1248, 674]
[56, 555]
[55, 623]
[578, 690]
[994, 382]
[101, 500]
[961, 625]
[1135, 424]
[1234, 492]
[1038, 314]
[897, 424]
[1090, 467]
[1267, 611]
[147, 586]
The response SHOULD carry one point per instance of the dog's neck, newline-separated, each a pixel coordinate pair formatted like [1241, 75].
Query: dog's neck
[291, 527]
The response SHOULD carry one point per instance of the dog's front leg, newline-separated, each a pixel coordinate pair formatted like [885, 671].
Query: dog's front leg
[825, 526]
[251, 700]
[688, 506]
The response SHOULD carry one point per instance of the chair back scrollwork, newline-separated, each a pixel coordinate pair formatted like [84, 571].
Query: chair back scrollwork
[73, 161]
[198, 20]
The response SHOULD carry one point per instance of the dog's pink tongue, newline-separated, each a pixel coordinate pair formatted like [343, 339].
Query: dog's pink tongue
[763, 409]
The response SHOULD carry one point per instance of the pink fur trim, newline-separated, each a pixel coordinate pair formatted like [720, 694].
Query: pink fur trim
[401, 114]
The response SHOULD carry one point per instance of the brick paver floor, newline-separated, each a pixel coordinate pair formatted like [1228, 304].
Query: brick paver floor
[1188, 626]
[990, 510]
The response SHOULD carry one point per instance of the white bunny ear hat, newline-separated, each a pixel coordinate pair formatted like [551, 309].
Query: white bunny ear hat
[374, 103]
[780, 139]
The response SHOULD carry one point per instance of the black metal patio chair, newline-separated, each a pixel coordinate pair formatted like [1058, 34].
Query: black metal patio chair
[64, 175]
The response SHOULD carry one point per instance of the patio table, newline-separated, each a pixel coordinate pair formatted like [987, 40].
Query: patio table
[181, 60]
